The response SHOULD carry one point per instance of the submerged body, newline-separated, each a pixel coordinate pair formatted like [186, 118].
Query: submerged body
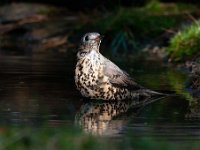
[96, 77]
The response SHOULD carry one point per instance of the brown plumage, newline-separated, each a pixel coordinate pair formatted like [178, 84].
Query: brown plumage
[96, 77]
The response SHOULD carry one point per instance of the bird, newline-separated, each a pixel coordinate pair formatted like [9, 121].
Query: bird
[98, 78]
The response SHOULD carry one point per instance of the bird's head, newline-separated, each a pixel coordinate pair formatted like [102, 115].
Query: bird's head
[89, 42]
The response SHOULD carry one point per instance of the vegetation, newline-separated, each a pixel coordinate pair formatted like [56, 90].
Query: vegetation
[177, 82]
[73, 139]
[186, 43]
[127, 29]
[133, 28]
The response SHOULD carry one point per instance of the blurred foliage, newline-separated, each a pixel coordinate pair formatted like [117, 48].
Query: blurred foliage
[44, 138]
[169, 8]
[178, 83]
[186, 43]
[189, 93]
[141, 22]
[127, 29]
[133, 28]
[72, 139]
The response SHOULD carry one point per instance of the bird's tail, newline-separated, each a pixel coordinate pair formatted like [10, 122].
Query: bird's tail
[145, 96]
[159, 93]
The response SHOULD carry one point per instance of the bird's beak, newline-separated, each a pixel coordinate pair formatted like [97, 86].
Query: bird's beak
[101, 37]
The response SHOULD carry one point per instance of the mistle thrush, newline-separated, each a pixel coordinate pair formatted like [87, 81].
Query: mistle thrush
[96, 77]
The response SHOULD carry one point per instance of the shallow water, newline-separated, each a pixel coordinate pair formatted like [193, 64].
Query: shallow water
[39, 89]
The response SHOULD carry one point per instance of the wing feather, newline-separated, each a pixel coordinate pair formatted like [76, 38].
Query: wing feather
[118, 77]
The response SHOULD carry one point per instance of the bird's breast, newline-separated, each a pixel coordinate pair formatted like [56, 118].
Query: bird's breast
[87, 74]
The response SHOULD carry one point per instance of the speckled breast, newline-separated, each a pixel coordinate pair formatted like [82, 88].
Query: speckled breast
[91, 81]
[87, 74]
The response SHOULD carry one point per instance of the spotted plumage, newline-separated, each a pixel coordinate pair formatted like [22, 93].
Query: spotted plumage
[97, 117]
[96, 77]
[102, 117]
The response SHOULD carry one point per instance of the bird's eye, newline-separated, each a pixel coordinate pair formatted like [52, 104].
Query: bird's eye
[86, 38]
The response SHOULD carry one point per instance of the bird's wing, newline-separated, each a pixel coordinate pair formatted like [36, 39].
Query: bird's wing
[118, 77]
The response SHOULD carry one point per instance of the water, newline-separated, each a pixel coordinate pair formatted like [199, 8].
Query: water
[39, 89]
[34, 90]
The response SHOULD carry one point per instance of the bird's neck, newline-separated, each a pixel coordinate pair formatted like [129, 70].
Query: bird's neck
[90, 47]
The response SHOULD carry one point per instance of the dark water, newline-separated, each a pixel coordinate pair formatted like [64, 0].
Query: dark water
[39, 89]
[36, 89]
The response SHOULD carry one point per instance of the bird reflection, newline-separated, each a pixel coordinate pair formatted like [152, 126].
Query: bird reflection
[107, 118]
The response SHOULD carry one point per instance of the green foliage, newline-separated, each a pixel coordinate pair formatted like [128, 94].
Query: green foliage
[154, 6]
[62, 138]
[150, 20]
[139, 26]
[47, 138]
[142, 22]
[185, 43]
[177, 82]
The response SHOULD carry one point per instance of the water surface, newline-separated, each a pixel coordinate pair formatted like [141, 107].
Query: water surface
[39, 89]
